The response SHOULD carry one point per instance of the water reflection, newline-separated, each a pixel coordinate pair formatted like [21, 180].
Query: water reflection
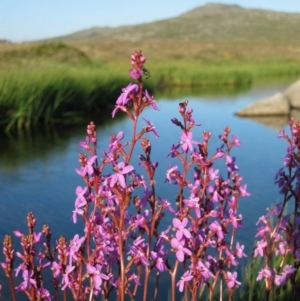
[33, 145]
[273, 122]
[198, 91]
[40, 143]
[295, 114]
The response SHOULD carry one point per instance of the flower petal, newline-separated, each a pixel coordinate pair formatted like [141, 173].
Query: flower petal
[180, 255]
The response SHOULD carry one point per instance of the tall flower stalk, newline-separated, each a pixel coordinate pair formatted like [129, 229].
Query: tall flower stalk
[125, 240]
[278, 230]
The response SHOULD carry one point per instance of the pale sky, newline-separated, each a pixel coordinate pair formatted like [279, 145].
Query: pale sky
[27, 20]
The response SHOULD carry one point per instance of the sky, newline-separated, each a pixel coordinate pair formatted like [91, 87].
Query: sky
[29, 20]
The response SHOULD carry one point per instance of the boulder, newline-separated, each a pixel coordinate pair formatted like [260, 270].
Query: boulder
[275, 105]
[293, 95]
[278, 104]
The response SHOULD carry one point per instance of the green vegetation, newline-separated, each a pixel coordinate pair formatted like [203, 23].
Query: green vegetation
[55, 94]
[41, 53]
[53, 83]
[210, 47]
[251, 289]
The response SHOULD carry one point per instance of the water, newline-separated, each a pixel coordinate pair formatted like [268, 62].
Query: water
[38, 173]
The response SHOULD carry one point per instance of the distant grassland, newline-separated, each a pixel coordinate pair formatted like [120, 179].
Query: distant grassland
[64, 83]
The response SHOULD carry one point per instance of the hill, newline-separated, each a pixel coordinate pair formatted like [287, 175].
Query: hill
[211, 22]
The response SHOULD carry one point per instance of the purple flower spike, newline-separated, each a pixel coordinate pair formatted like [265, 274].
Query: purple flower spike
[187, 142]
[75, 246]
[279, 280]
[151, 100]
[231, 280]
[173, 152]
[230, 162]
[27, 280]
[169, 175]
[235, 140]
[177, 122]
[135, 74]
[124, 97]
[166, 204]
[178, 245]
[116, 109]
[85, 144]
[65, 279]
[215, 227]
[281, 134]
[186, 277]
[264, 273]
[180, 226]
[204, 271]
[193, 203]
[113, 144]
[160, 265]
[260, 248]
[151, 128]
[89, 166]
[213, 174]
[287, 271]
[75, 212]
[43, 294]
[240, 250]
[80, 200]
[97, 275]
[121, 170]
[243, 190]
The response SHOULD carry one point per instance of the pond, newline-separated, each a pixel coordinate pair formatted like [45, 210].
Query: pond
[38, 172]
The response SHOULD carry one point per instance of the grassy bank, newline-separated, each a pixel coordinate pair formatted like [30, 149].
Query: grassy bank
[55, 94]
[59, 83]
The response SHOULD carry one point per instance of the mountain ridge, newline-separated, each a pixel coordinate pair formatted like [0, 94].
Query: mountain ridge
[210, 22]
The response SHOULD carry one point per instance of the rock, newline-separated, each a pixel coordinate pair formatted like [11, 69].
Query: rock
[280, 104]
[275, 105]
[293, 95]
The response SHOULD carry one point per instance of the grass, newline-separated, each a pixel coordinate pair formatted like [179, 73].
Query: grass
[55, 94]
[61, 83]
[252, 289]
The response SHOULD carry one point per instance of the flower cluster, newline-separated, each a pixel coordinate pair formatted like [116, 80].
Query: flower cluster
[126, 240]
[279, 229]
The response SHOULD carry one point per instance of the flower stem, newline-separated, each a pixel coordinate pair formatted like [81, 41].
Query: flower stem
[122, 270]
[174, 280]
[147, 273]
[156, 287]
[12, 287]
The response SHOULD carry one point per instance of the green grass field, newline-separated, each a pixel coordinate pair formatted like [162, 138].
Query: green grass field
[61, 83]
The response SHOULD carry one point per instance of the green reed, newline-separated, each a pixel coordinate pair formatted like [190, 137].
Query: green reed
[255, 290]
[62, 85]
[55, 94]
[217, 73]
